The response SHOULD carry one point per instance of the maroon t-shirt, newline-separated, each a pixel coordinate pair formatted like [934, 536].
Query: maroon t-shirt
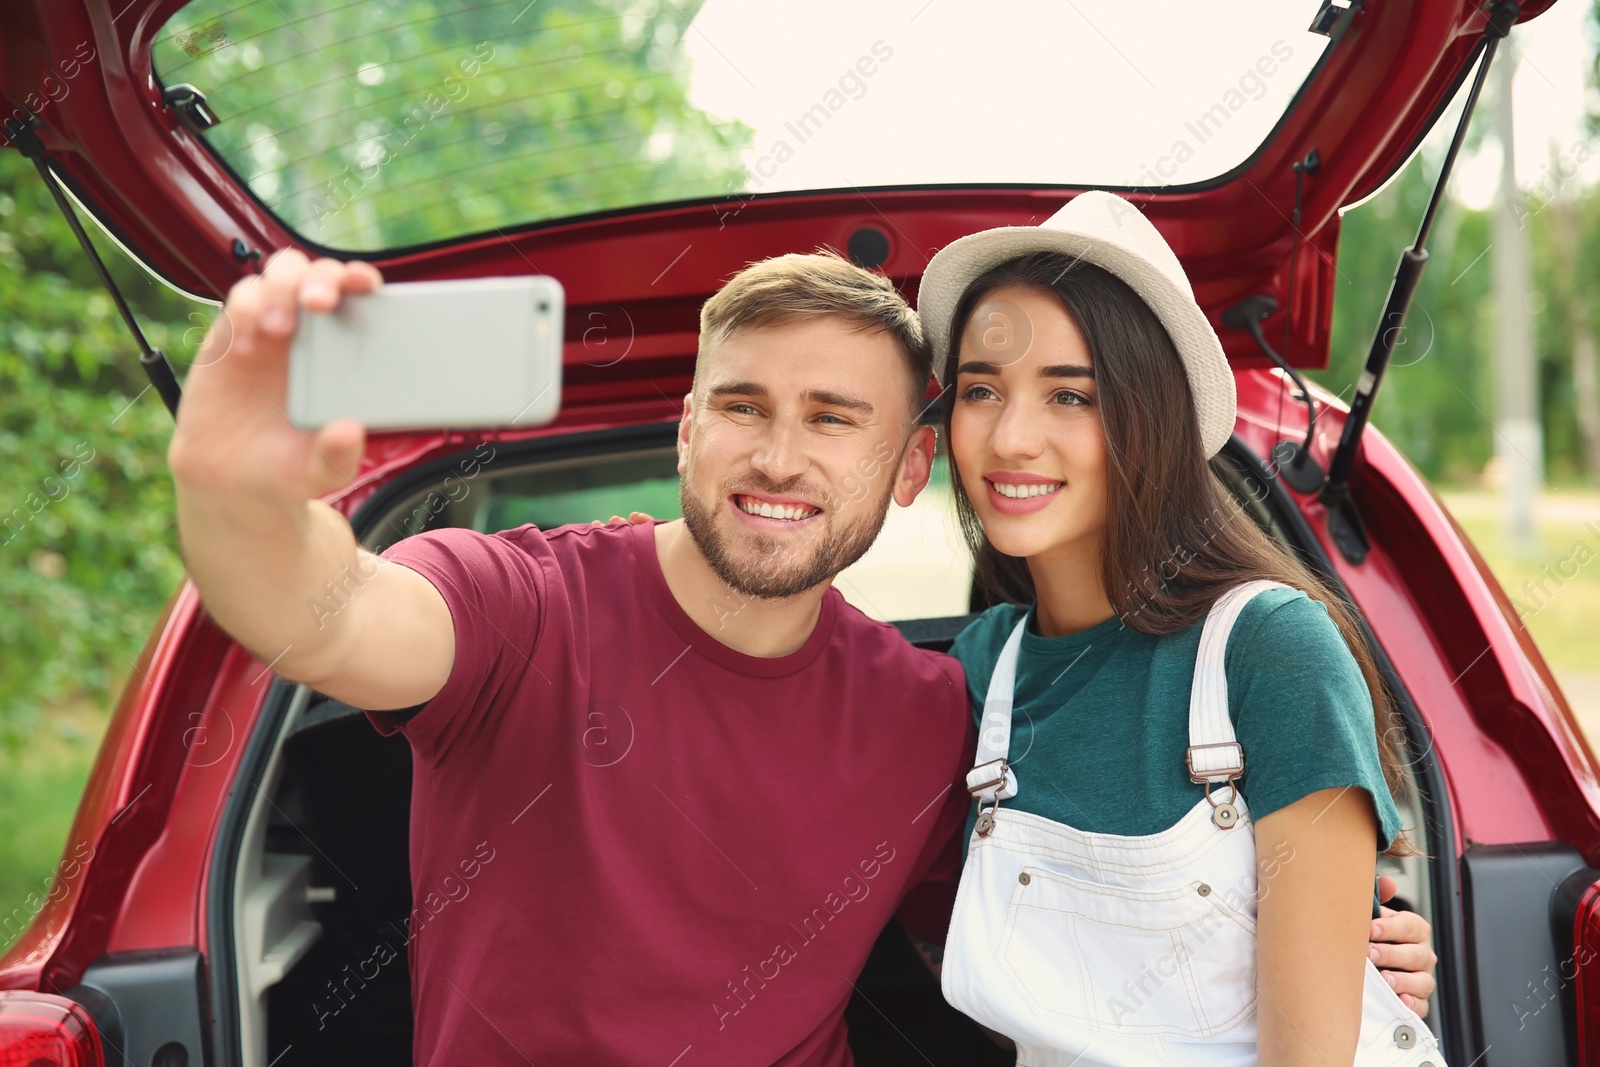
[631, 844]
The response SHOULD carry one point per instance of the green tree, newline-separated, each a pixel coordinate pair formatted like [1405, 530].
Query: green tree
[1430, 400]
[87, 548]
[1436, 403]
[370, 126]
[1437, 400]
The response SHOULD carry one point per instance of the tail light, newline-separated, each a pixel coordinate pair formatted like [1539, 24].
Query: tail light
[1585, 965]
[42, 1030]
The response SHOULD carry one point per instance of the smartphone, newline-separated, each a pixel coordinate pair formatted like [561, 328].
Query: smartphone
[478, 352]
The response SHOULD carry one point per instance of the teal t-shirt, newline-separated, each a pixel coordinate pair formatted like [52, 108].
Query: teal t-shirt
[1101, 718]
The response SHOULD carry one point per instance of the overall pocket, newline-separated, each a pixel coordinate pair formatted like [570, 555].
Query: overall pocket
[1177, 961]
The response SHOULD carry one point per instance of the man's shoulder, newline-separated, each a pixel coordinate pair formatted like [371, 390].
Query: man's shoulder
[860, 636]
[585, 538]
[462, 538]
[462, 547]
[515, 556]
[580, 540]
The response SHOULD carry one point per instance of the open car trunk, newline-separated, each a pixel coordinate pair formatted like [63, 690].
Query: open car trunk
[306, 894]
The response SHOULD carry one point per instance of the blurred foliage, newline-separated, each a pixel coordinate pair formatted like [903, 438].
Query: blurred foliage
[1437, 400]
[1556, 592]
[447, 117]
[1440, 368]
[39, 790]
[88, 553]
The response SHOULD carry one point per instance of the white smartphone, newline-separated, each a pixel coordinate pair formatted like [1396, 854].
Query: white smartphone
[470, 353]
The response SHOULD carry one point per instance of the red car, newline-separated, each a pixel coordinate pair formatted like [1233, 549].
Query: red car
[230, 890]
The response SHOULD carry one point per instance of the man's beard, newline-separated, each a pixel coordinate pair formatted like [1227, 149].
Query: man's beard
[775, 569]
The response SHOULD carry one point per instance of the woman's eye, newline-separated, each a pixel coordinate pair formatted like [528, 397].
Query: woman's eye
[977, 392]
[1070, 398]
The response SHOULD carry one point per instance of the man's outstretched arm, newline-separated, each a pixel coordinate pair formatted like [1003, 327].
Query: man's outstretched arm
[262, 550]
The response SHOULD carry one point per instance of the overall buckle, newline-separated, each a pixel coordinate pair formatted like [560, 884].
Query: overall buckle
[987, 778]
[1226, 813]
[1231, 771]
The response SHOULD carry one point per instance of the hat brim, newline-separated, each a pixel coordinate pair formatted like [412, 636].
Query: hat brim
[963, 261]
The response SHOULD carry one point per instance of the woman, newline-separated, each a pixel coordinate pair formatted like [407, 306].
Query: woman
[1173, 855]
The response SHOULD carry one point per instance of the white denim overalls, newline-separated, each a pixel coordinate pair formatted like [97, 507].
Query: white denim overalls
[1099, 949]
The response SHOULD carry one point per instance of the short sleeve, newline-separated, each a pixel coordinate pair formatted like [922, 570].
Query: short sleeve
[1302, 709]
[494, 586]
[930, 896]
[926, 908]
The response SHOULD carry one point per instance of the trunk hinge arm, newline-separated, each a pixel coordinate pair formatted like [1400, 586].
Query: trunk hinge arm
[154, 361]
[1344, 520]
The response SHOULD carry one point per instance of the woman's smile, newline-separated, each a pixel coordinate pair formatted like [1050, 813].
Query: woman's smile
[1020, 493]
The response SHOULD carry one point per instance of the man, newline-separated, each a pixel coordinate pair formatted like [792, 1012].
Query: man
[789, 782]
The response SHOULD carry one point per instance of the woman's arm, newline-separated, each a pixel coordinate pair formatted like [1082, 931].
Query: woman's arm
[1314, 918]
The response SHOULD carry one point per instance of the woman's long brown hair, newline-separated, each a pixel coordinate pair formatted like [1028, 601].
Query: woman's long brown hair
[1175, 538]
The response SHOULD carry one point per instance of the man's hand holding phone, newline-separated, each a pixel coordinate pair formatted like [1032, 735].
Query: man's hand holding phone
[257, 542]
[233, 432]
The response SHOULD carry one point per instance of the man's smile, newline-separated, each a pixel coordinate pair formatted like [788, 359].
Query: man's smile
[783, 510]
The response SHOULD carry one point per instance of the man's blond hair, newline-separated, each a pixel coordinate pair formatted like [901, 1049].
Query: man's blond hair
[795, 287]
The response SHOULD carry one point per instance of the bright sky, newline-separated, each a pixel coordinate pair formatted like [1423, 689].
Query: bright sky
[1092, 91]
[1553, 54]
[919, 91]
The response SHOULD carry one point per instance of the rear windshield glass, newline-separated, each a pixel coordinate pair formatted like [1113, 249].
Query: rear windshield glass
[376, 124]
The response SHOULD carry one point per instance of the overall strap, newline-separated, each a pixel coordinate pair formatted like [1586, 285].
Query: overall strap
[990, 778]
[1215, 755]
